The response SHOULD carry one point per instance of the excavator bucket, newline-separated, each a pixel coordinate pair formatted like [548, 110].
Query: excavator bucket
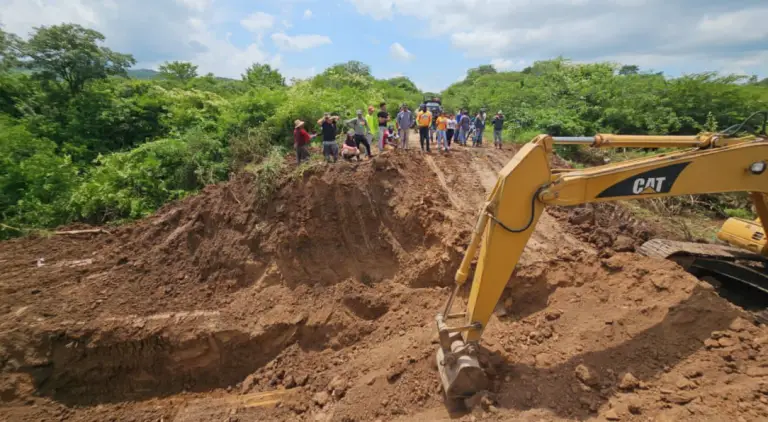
[462, 377]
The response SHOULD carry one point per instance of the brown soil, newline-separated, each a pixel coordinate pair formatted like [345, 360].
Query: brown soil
[320, 306]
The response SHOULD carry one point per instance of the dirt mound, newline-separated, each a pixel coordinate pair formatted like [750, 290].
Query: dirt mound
[606, 226]
[319, 305]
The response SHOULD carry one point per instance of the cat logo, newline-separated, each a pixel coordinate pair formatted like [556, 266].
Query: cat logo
[651, 182]
[649, 185]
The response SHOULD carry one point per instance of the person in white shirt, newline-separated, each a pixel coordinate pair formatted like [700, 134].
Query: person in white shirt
[451, 129]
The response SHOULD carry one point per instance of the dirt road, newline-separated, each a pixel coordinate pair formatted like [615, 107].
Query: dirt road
[320, 306]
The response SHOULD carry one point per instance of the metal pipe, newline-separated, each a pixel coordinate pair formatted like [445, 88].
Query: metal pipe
[574, 140]
[463, 272]
[449, 304]
[609, 140]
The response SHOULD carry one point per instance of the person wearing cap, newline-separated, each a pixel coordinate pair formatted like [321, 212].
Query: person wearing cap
[360, 130]
[442, 126]
[498, 126]
[373, 124]
[424, 121]
[330, 147]
[383, 118]
[404, 123]
[349, 149]
[300, 141]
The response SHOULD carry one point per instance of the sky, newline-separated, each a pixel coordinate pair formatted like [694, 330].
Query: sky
[433, 42]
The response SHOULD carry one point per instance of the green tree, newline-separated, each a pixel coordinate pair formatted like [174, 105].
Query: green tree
[629, 69]
[356, 68]
[403, 83]
[263, 75]
[9, 45]
[71, 53]
[178, 71]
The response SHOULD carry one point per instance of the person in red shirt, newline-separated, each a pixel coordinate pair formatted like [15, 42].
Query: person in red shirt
[300, 141]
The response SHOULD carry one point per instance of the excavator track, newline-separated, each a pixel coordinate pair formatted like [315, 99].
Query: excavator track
[665, 249]
[722, 262]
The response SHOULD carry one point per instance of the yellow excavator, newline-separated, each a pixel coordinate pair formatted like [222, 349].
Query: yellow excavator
[733, 160]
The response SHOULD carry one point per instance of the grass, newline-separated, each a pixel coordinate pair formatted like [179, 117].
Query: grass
[268, 172]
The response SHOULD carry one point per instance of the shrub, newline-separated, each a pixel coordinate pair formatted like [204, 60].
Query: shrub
[35, 181]
[133, 184]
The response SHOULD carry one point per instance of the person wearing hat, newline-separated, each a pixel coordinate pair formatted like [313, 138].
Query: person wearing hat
[373, 124]
[360, 130]
[330, 147]
[300, 141]
[498, 126]
[349, 149]
[404, 122]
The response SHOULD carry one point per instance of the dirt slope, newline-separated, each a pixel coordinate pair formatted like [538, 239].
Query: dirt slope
[320, 306]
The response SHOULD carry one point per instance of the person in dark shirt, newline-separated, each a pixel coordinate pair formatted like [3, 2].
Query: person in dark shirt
[479, 128]
[383, 118]
[330, 147]
[498, 126]
[464, 126]
[349, 148]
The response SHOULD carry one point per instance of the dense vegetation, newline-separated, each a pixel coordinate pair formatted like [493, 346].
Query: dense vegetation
[81, 140]
[561, 98]
[85, 138]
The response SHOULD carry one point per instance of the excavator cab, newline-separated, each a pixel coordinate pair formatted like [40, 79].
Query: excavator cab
[745, 234]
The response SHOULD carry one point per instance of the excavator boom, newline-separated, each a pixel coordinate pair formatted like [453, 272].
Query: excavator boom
[526, 185]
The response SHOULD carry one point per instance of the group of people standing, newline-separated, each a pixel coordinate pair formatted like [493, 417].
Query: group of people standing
[442, 128]
[445, 127]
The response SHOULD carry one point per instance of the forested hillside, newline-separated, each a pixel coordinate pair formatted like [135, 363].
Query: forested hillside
[561, 98]
[81, 140]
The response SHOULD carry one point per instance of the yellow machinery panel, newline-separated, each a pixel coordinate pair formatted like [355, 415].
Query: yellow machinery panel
[744, 234]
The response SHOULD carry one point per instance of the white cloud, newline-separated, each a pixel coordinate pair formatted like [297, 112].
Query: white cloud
[198, 5]
[298, 42]
[695, 35]
[286, 24]
[398, 52]
[307, 14]
[507, 64]
[298, 73]
[153, 31]
[258, 22]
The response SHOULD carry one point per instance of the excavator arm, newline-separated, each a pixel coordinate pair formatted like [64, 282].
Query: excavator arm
[526, 185]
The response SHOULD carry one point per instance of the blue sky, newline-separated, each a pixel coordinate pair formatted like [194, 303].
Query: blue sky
[433, 42]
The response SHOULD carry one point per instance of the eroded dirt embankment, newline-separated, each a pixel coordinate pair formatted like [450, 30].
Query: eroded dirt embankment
[320, 306]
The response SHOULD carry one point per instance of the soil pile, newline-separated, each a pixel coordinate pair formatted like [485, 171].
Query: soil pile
[320, 304]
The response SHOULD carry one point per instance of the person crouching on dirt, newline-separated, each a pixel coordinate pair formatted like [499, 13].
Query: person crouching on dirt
[349, 147]
[360, 129]
[300, 141]
[330, 147]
